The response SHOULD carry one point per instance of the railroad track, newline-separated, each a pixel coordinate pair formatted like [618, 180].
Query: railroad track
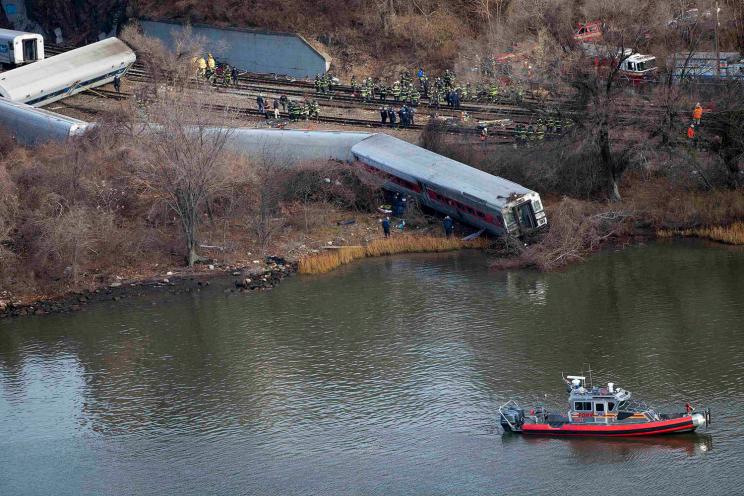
[343, 97]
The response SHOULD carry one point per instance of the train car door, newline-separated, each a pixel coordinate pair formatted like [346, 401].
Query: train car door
[30, 50]
[525, 215]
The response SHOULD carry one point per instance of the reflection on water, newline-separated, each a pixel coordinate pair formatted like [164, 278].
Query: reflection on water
[596, 450]
[381, 378]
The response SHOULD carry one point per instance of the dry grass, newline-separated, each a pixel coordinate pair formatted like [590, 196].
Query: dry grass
[332, 259]
[732, 235]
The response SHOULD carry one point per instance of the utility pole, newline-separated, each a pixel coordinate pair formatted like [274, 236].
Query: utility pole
[718, 50]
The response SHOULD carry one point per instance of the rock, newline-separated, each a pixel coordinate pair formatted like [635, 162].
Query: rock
[256, 261]
[210, 266]
[115, 284]
[236, 273]
[166, 280]
[169, 273]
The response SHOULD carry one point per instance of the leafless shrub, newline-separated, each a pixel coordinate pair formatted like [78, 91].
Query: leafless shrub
[576, 229]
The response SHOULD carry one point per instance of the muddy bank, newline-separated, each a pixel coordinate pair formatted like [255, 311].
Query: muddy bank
[241, 279]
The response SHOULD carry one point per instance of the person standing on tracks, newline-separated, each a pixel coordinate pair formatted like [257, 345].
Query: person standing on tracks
[117, 83]
[391, 116]
[275, 104]
[411, 114]
[261, 102]
[284, 100]
[234, 73]
[211, 66]
[227, 75]
[383, 115]
[403, 114]
[449, 226]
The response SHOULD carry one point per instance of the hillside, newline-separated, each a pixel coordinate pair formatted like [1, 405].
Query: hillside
[371, 36]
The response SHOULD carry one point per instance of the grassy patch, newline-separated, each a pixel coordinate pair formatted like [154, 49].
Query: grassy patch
[334, 258]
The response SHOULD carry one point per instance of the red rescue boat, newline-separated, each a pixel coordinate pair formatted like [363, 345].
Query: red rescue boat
[599, 411]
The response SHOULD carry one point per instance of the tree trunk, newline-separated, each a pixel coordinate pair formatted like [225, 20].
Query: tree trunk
[193, 256]
[605, 153]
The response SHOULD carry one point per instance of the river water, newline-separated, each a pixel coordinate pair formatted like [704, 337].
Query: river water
[381, 378]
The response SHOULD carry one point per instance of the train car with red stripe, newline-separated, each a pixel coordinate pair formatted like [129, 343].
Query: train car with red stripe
[468, 195]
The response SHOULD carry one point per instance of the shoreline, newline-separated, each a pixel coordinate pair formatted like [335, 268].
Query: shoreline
[248, 278]
[251, 277]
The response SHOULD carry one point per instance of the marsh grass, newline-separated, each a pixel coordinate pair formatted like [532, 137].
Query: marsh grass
[333, 258]
[732, 235]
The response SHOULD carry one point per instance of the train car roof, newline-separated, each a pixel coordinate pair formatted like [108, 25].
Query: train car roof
[6, 34]
[295, 146]
[414, 161]
[63, 70]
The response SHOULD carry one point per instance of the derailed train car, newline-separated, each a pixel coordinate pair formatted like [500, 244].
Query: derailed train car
[68, 73]
[34, 126]
[466, 194]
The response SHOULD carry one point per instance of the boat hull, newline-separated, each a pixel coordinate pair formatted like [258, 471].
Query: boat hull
[671, 426]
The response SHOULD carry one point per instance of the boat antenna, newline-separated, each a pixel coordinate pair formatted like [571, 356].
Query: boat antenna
[591, 382]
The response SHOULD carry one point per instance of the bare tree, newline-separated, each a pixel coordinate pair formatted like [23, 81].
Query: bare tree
[597, 73]
[182, 158]
[8, 211]
[69, 238]
[726, 130]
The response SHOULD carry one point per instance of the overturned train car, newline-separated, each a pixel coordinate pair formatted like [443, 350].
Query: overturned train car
[33, 126]
[468, 195]
[68, 73]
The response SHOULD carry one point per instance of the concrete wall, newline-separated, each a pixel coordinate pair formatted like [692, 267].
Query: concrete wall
[251, 50]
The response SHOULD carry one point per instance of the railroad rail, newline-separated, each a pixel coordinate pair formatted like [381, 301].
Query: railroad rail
[505, 134]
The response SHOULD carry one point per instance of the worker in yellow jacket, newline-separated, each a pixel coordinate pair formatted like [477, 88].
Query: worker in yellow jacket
[201, 67]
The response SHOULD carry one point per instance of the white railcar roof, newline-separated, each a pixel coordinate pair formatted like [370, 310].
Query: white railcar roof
[9, 34]
[294, 146]
[63, 70]
[395, 154]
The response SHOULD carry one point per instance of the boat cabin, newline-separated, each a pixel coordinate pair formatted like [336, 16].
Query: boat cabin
[598, 401]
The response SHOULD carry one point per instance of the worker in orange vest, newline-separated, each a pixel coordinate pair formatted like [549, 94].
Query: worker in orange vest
[691, 131]
[697, 114]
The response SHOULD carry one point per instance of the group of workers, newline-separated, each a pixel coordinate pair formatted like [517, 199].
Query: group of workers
[406, 116]
[447, 224]
[697, 115]
[444, 89]
[307, 109]
[208, 68]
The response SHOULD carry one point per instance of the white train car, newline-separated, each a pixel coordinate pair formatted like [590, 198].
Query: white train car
[469, 195]
[18, 48]
[33, 126]
[68, 73]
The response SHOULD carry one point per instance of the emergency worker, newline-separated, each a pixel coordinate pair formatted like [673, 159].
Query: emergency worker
[449, 226]
[697, 114]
